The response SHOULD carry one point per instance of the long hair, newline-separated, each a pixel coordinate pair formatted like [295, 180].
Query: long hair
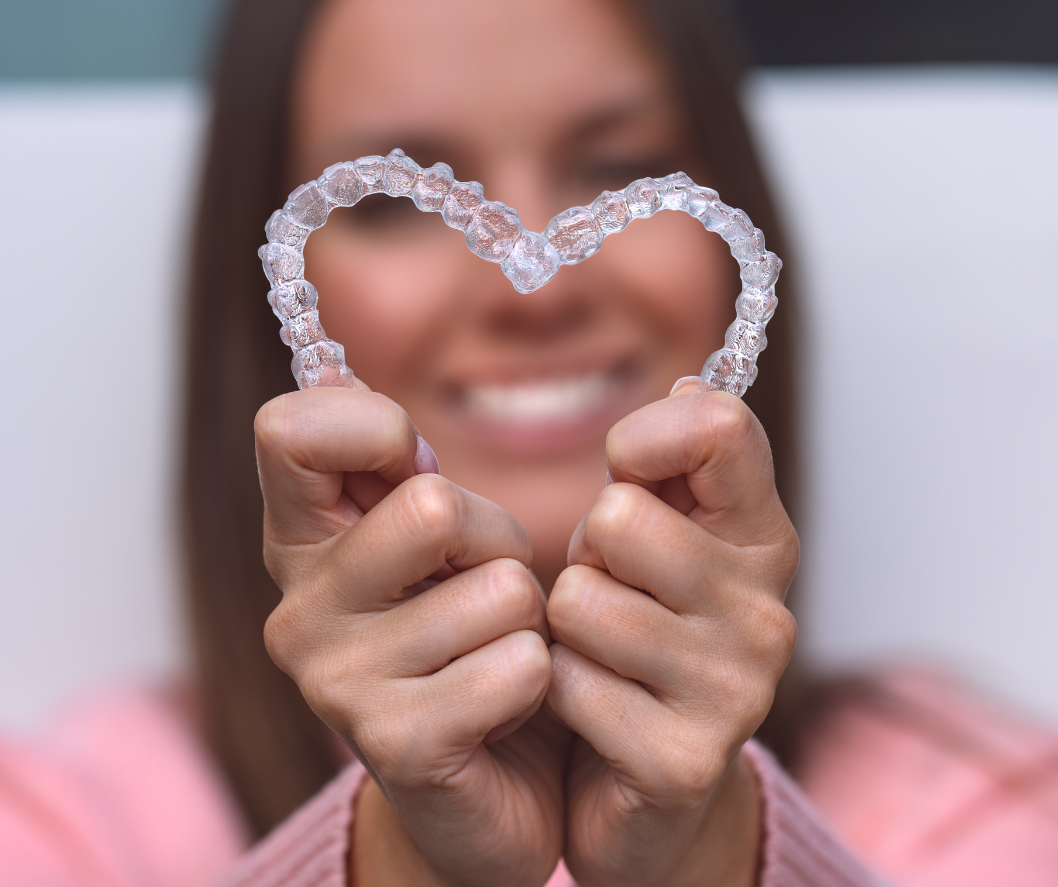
[271, 747]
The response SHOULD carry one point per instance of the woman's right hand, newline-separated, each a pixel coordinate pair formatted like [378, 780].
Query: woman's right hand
[423, 683]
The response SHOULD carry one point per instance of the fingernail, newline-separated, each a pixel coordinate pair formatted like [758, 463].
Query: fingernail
[425, 460]
[609, 477]
[681, 381]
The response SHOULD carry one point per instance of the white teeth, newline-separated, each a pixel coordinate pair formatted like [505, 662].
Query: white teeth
[556, 399]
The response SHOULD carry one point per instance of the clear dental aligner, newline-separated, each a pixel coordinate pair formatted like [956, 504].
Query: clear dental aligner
[529, 260]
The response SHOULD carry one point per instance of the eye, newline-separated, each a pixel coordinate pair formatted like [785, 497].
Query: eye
[596, 174]
[379, 215]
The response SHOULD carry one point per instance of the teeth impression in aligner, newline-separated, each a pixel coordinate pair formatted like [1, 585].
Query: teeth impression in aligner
[528, 259]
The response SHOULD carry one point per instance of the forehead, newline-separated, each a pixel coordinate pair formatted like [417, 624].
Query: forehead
[487, 71]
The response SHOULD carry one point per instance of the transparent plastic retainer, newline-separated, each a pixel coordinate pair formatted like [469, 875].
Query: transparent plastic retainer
[529, 260]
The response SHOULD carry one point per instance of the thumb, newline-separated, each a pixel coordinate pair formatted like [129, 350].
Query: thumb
[705, 454]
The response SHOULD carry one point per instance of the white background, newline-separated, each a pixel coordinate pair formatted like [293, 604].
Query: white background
[927, 212]
[925, 205]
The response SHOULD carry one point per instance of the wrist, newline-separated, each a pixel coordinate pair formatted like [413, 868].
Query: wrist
[726, 852]
[381, 852]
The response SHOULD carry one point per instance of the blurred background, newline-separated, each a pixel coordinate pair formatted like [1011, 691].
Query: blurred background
[913, 144]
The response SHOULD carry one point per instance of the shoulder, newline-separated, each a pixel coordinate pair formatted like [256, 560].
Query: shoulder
[934, 785]
[126, 773]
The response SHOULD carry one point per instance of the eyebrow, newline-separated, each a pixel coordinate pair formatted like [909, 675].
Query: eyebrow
[600, 122]
[428, 148]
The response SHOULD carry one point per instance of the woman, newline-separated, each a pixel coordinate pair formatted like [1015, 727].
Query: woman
[444, 335]
[502, 728]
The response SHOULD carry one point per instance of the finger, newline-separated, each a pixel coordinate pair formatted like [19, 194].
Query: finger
[308, 440]
[716, 441]
[368, 488]
[621, 628]
[460, 615]
[365, 489]
[627, 726]
[425, 524]
[644, 543]
[689, 664]
[505, 680]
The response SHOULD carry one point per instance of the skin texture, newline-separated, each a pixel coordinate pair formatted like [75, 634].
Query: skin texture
[503, 727]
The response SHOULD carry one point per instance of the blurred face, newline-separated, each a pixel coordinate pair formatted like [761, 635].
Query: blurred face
[546, 104]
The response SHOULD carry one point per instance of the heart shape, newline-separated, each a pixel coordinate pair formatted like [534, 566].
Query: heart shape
[529, 260]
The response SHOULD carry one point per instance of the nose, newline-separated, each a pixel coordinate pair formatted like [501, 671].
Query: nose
[559, 309]
[524, 184]
[565, 306]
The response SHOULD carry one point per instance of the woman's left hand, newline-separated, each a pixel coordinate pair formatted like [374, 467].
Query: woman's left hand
[670, 637]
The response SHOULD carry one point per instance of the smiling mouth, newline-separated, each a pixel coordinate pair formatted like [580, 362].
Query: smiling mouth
[558, 400]
[543, 402]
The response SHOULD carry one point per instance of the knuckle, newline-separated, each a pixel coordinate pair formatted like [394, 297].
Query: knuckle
[271, 425]
[393, 730]
[370, 716]
[687, 773]
[514, 590]
[345, 691]
[741, 684]
[616, 513]
[775, 630]
[324, 682]
[773, 565]
[300, 637]
[568, 594]
[729, 423]
[748, 698]
[313, 682]
[757, 696]
[282, 635]
[430, 504]
[617, 443]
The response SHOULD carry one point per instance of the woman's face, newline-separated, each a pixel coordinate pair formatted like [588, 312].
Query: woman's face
[546, 104]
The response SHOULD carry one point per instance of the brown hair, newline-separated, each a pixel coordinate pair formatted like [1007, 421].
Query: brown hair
[272, 749]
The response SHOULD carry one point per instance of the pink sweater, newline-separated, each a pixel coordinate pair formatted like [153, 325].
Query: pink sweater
[121, 792]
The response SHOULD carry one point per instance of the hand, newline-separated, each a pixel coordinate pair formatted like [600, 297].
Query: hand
[425, 682]
[670, 637]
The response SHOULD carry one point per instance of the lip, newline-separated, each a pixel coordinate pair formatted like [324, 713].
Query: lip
[527, 432]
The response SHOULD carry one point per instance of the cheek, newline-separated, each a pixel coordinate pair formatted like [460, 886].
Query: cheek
[386, 302]
[678, 280]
